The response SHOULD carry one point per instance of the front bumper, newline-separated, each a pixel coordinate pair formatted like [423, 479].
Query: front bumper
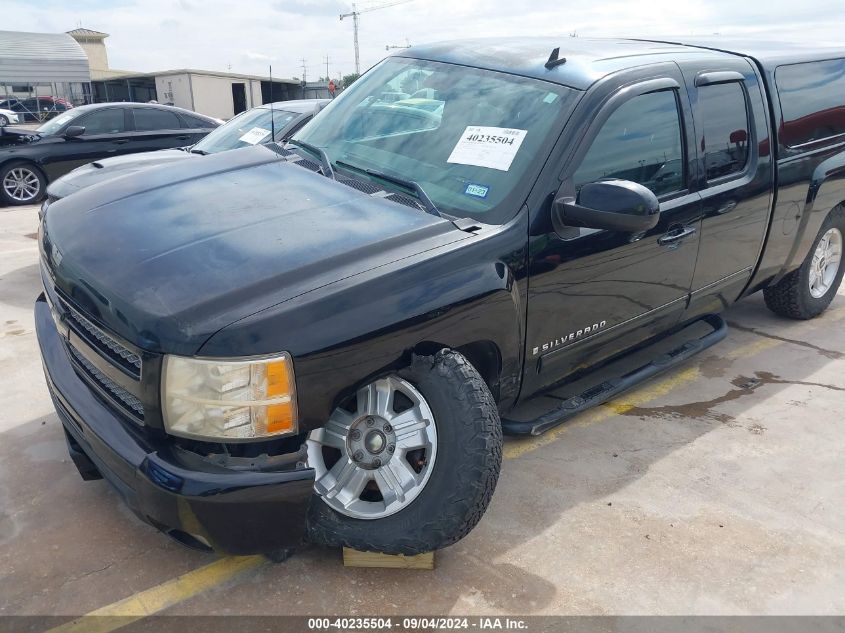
[233, 511]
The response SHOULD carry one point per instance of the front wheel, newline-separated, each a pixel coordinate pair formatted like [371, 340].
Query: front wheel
[21, 183]
[807, 292]
[4, 121]
[409, 463]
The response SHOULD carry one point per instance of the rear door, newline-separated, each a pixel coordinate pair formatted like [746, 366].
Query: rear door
[157, 128]
[734, 177]
[594, 293]
[195, 127]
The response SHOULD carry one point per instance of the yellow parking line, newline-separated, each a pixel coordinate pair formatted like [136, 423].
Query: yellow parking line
[167, 594]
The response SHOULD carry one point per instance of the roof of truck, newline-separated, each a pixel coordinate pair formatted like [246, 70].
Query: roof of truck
[587, 59]
[767, 52]
[590, 59]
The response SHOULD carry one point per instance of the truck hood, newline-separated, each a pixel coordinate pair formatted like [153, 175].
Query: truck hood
[168, 258]
[102, 170]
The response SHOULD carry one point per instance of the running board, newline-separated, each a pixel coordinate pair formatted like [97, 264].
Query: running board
[608, 389]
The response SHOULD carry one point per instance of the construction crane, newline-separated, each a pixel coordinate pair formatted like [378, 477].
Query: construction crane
[354, 15]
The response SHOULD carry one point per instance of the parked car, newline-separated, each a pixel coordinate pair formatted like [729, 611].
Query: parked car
[29, 160]
[8, 116]
[327, 340]
[248, 128]
[36, 109]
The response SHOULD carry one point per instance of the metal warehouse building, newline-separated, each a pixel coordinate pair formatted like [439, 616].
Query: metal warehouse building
[74, 66]
[43, 64]
[217, 94]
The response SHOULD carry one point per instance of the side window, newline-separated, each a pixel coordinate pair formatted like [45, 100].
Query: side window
[724, 119]
[108, 121]
[152, 119]
[641, 142]
[194, 121]
[812, 97]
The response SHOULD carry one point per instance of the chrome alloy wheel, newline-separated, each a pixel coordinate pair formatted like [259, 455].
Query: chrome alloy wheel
[21, 184]
[825, 264]
[375, 454]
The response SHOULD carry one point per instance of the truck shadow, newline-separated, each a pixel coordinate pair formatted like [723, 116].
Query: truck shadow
[555, 500]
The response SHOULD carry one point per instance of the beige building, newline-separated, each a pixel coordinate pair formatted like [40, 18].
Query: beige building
[218, 94]
[94, 45]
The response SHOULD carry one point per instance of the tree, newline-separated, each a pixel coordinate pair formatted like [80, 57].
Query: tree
[348, 80]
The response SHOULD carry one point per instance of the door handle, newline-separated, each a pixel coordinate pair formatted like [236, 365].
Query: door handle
[122, 141]
[676, 235]
[727, 207]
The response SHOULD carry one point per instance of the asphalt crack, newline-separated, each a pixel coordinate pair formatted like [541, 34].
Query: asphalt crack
[829, 353]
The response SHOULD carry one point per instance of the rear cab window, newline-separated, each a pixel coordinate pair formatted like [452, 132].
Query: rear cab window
[723, 119]
[812, 100]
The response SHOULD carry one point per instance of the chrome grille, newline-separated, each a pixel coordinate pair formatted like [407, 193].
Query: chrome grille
[102, 342]
[121, 396]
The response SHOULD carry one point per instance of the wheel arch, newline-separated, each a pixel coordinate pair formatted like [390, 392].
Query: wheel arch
[484, 355]
[826, 193]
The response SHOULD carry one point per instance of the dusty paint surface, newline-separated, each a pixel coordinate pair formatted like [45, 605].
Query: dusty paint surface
[717, 488]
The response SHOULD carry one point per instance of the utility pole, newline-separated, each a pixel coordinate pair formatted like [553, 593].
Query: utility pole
[327, 68]
[354, 15]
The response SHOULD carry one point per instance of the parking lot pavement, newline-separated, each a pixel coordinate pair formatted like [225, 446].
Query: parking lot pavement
[716, 488]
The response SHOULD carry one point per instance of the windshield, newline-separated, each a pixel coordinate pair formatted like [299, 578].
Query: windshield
[54, 125]
[470, 138]
[250, 128]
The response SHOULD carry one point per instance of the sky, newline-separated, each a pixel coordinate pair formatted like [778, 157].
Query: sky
[247, 36]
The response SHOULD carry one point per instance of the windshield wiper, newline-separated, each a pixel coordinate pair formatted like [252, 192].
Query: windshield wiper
[411, 185]
[325, 161]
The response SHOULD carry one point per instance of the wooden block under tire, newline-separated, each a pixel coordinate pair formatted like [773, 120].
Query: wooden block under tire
[354, 558]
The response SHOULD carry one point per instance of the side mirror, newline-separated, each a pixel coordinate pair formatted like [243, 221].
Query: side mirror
[74, 130]
[614, 205]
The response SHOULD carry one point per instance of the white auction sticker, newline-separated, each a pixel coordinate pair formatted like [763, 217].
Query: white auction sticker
[255, 135]
[493, 147]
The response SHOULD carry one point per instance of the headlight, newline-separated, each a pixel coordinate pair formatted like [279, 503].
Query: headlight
[216, 400]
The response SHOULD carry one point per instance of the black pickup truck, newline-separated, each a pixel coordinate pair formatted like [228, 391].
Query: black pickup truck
[327, 339]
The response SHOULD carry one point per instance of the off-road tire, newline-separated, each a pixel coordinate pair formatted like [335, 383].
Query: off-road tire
[464, 475]
[791, 296]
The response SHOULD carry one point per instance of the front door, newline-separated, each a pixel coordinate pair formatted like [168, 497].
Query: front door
[106, 134]
[593, 293]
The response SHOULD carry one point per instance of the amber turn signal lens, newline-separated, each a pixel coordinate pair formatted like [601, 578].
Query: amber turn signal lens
[278, 379]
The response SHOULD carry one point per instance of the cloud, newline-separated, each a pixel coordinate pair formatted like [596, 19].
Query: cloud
[315, 8]
[150, 35]
[253, 56]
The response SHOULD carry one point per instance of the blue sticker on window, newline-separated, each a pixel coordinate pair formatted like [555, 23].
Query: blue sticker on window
[479, 191]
